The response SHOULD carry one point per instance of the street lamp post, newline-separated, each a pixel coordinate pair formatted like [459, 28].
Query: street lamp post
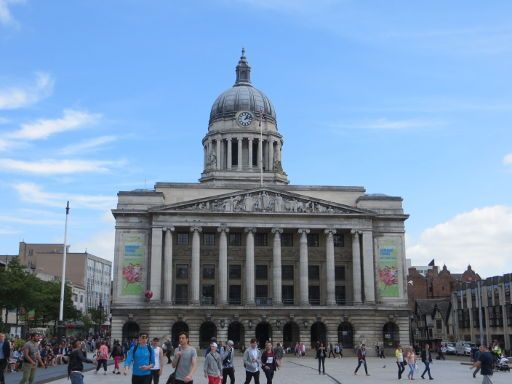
[100, 308]
[63, 279]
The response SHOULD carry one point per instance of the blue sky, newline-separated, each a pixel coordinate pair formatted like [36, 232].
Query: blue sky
[404, 98]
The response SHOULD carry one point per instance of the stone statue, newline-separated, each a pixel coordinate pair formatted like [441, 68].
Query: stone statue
[212, 161]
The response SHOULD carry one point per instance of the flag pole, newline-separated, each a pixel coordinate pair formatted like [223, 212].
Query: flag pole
[63, 280]
[261, 149]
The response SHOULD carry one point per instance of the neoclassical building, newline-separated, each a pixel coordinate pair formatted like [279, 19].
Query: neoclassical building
[244, 254]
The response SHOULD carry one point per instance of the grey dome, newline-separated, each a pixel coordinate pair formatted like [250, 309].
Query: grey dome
[242, 97]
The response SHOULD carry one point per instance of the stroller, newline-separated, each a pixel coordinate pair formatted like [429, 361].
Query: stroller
[502, 364]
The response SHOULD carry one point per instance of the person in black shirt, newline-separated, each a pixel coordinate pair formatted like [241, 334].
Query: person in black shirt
[320, 355]
[426, 358]
[76, 363]
[485, 363]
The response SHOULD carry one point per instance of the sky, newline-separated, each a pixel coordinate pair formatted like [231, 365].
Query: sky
[410, 99]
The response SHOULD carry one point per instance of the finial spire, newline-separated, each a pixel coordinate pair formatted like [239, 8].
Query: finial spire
[243, 71]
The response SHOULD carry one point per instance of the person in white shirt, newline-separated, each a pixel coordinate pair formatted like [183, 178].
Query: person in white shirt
[156, 371]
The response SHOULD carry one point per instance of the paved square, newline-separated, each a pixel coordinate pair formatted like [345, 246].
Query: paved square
[304, 370]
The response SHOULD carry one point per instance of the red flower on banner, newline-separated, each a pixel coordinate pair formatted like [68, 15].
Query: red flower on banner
[388, 275]
[132, 273]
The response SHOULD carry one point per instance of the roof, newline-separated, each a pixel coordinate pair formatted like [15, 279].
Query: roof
[430, 306]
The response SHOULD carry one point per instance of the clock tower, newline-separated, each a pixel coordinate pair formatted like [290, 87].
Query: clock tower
[243, 145]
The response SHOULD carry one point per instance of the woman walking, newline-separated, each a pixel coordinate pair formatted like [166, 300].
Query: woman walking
[399, 354]
[411, 362]
[321, 355]
[102, 357]
[268, 362]
[117, 353]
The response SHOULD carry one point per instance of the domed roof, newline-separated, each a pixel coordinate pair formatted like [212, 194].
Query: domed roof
[242, 97]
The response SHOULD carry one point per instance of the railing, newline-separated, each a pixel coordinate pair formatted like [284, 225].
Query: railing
[314, 301]
[235, 301]
[288, 301]
[263, 301]
[207, 300]
[181, 301]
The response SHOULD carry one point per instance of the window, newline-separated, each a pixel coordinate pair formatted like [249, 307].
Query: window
[313, 240]
[339, 273]
[182, 238]
[339, 240]
[287, 272]
[181, 294]
[208, 294]
[235, 271]
[208, 271]
[286, 239]
[314, 295]
[235, 294]
[261, 291]
[287, 294]
[181, 271]
[261, 272]
[340, 294]
[261, 239]
[81, 299]
[439, 324]
[314, 272]
[209, 239]
[235, 239]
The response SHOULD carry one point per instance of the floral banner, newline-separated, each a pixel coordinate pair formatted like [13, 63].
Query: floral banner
[388, 269]
[133, 265]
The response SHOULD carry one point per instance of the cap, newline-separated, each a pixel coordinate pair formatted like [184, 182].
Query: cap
[213, 345]
[230, 342]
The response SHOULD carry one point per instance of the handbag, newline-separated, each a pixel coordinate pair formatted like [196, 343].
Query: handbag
[172, 376]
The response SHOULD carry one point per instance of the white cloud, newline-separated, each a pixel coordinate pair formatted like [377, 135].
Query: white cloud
[33, 193]
[87, 145]
[386, 124]
[56, 167]
[507, 160]
[5, 13]
[28, 220]
[481, 237]
[25, 95]
[100, 244]
[44, 128]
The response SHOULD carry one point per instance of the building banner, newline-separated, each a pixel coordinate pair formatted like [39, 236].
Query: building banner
[133, 265]
[388, 269]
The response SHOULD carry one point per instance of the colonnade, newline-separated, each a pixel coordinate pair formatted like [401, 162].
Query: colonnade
[161, 271]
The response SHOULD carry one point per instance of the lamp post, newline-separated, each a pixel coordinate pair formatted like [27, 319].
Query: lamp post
[100, 308]
[63, 279]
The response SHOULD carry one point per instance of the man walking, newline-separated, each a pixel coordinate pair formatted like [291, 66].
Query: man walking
[252, 362]
[228, 369]
[156, 371]
[31, 357]
[213, 365]
[75, 365]
[169, 350]
[426, 358]
[185, 360]
[143, 359]
[361, 358]
[5, 354]
[484, 362]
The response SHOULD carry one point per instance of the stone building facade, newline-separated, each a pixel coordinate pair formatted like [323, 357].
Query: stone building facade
[243, 254]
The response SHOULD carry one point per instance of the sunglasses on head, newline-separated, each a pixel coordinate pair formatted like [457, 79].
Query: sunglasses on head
[143, 336]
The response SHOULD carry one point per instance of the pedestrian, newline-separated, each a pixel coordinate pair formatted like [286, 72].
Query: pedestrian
[142, 357]
[442, 352]
[331, 351]
[102, 357]
[5, 355]
[485, 363]
[76, 363]
[269, 362]
[185, 360]
[426, 358]
[156, 370]
[30, 357]
[279, 351]
[320, 355]
[213, 365]
[399, 354]
[169, 350]
[228, 370]
[411, 362]
[475, 357]
[340, 350]
[252, 362]
[361, 358]
[117, 354]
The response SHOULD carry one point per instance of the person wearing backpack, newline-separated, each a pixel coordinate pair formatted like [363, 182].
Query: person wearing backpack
[228, 370]
[102, 357]
[117, 354]
[142, 357]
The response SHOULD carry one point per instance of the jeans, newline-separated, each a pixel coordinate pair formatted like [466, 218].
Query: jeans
[141, 379]
[3, 365]
[155, 374]
[359, 364]
[321, 363]
[486, 379]
[401, 369]
[427, 369]
[412, 367]
[76, 378]
[269, 373]
[103, 363]
[228, 372]
[29, 373]
[250, 375]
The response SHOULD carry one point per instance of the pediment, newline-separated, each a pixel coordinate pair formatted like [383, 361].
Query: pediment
[263, 200]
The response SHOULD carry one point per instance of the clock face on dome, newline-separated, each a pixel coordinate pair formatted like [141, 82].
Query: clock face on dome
[244, 119]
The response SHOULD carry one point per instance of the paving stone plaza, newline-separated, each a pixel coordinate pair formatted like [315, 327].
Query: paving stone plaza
[304, 370]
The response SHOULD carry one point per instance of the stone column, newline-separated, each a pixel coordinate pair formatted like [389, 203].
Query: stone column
[223, 265]
[368, 267]
[330, 266]
[196, 266]
[270, 155]
[250, 154]
[217, 150]
[276, 268]
[230, 149]
[303, 267]
[249, 266]
[156, 264]
[168, 267]
[240, 141]
[356, 266]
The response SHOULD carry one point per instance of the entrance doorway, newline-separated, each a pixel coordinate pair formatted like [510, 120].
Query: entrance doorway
[206, 332]
[177, 328]
[291, 334]
[236, 333]
[263, 333]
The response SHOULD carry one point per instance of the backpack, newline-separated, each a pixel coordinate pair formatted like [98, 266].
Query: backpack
[151, 352]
